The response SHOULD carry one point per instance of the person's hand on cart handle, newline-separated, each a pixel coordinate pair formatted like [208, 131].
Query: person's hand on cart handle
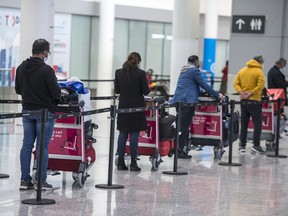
[221, 96]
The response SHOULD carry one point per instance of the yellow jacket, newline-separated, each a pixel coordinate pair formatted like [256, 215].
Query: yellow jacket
[250, 78]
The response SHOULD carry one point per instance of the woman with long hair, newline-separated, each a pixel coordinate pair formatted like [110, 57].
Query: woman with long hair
[131, 84]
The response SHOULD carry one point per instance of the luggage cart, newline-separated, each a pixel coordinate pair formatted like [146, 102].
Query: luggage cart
[158, 139]
[269, 120]
[210, 127]
[71, 146]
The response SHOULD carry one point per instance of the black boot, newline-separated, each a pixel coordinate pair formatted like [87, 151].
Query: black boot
[133, 166]
[121, 164]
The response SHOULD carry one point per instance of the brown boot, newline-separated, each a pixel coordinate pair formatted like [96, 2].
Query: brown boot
[133, 166]
[121, 164]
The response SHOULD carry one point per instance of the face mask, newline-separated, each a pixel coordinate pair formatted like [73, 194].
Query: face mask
[283, 70]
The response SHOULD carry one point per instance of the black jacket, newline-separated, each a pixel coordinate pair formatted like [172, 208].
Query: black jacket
[131, 85]
[37, 84]
[276, 79]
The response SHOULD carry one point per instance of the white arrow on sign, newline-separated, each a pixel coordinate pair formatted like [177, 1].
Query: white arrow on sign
[240, 22]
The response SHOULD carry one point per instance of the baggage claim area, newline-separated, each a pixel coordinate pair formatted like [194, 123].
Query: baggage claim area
[218, 180]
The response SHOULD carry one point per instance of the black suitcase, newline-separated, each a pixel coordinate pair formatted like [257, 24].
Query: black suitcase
[226, 127]
[167, 128]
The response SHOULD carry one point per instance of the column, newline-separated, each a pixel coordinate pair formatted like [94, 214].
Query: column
[106, 39]
[185, 34]
[210, 36]
[105, 60]
[37, 21]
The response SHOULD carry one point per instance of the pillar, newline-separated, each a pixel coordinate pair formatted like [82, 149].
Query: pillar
[210, 36]
[106, 39]
[37, 21]
[185, 34]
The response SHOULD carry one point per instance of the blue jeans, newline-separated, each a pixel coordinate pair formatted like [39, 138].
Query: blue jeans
[122, 139]
[186, 116]
[32, 132]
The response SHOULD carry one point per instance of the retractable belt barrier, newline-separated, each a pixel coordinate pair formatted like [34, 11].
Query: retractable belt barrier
[113, 112]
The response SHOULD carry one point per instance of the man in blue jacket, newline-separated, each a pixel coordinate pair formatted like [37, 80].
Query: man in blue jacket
[187, 91]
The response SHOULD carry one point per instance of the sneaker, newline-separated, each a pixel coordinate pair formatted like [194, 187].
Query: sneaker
[242, 149]
[26, 185]
[258, 149]
[183, 155]
[45, 186]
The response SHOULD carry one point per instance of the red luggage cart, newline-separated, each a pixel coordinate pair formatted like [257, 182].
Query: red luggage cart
[70, 148]
[210, 126]
[158, 140]
[269, 119]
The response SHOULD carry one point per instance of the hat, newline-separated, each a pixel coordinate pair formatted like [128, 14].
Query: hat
[259, 59]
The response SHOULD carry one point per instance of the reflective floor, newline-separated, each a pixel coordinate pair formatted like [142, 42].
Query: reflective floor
[258, 187]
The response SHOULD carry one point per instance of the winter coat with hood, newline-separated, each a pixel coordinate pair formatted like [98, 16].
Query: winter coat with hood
[189, 81]
[37, 84]
[250, 78]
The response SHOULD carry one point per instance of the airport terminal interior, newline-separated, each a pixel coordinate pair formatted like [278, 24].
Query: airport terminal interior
[214, 182]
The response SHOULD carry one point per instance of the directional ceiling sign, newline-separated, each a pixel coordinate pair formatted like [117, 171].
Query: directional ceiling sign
[248, 24]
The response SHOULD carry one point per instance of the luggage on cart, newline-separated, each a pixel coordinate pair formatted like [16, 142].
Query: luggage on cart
[71, 146]
[158, 140]
[210, 127]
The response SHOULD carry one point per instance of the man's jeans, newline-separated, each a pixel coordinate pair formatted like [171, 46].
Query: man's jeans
[254, 110]
[186, 116]
[122, 139]
[32, 132]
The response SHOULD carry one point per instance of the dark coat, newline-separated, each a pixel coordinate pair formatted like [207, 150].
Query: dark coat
[131, 85]
[37, 84]
[276, 79]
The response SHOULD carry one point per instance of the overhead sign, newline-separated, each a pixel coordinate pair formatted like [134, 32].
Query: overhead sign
[248, 24]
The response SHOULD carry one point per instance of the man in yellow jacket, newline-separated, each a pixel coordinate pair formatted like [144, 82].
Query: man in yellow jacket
[249, 83]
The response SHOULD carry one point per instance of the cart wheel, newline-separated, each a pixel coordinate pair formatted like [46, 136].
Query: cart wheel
[218, 152]
[81, 179]
[34, 174]
[170, 154]
[75, 176]
[95, 126]
[155, 164]
[155, 160]
[270, 146]
[116, 160]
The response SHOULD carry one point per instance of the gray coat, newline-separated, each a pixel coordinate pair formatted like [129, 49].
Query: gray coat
[132, 86]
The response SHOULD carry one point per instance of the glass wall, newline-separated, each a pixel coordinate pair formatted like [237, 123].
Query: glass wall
[151, 39]
[80, 46]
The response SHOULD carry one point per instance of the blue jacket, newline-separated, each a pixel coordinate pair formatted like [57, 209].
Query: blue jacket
[189, 81]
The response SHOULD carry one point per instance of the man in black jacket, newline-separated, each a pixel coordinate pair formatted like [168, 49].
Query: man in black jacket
[37, 84]
[276, 77]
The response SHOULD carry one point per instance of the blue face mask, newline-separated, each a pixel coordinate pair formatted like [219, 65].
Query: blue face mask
[283, 70]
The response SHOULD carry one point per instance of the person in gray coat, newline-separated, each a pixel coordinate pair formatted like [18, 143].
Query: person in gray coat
[131, 84]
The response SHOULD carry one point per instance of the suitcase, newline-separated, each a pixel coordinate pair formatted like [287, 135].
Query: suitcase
[167, 128]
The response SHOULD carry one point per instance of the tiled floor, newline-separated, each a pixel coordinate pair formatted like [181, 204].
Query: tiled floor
[258, 187]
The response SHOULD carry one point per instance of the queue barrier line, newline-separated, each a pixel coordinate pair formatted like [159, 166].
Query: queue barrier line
[113, 112]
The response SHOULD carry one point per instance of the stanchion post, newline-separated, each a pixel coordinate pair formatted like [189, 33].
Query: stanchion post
[277, 134]
[111, 153]
[231, 130]
[39, 200]
[176, 145]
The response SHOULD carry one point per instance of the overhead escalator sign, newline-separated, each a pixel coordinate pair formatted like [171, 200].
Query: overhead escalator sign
[248, 24]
